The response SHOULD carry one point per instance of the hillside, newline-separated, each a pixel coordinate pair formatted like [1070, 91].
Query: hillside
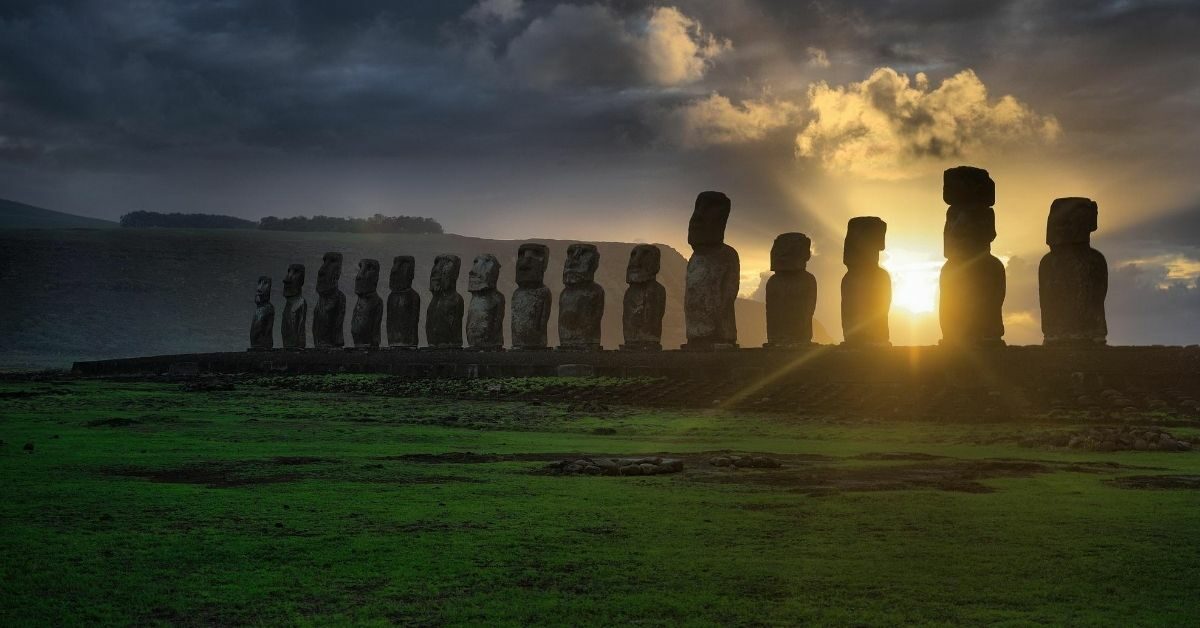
[125, 292]
[14, 215]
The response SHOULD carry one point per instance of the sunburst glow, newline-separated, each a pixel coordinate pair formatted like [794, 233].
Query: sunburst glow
[914, 279]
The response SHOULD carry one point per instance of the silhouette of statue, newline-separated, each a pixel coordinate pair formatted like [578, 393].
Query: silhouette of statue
[262, 328]
[866, 288]
[713, 276]
[485, 316]
[581, 304]
[531, 300]
[403, 304]
[295, 309]
[1073, 277]
[645, 300]
[444, 317]
[972, 280]
[791, 292]
[368, 309]
[330, 314]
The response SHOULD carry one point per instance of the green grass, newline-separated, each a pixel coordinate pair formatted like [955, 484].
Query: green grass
[92, 532]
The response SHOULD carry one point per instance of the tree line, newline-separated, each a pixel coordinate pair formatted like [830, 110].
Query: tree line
[374, 224]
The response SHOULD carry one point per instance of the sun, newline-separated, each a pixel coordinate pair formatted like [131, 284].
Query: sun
[914, 279]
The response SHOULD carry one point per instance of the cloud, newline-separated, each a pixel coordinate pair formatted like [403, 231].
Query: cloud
[503, 11]
[817, 57]
[891, 127]
[716, 120]
[675, 49]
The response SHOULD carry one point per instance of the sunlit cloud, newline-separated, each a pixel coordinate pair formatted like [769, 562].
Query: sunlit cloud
[717, 120]
[1178, 269]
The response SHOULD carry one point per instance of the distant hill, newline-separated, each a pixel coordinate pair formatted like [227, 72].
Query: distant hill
[14, 215]
[74, 295]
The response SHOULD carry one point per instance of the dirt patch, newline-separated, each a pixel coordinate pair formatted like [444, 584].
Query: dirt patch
[210, 475]
[960, 476]
[1158, 482]
[897, 455]
[113, 422]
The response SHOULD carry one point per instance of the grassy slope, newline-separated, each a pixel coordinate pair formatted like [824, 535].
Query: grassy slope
[14, 215]
[363, 539]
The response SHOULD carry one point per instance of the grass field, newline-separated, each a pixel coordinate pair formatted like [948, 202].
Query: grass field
[144, 504]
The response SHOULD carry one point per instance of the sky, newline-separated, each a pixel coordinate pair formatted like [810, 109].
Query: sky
[603, 120]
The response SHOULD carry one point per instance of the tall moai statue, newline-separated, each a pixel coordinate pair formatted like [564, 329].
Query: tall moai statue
[295, 309]
[444, 317]
[330, 314]
[713, 276]
[645, 300]
[791, 292]
[1073, 277]
[972, 282]
[531, 300]
[866, 288]
[403, 304]
[262, 328]
[368, 308]
[581, 304]
[485, 315]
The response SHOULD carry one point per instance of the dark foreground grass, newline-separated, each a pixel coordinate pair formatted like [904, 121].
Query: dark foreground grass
[141, 504]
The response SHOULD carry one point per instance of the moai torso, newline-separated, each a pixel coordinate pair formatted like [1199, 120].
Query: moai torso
[295, 309]
[581, 304]
[972, 282]
[866, 288]
[444, 317]
[403, 304]
[645, 300]
[1073, 277]
[262, 328]
[485, 316]
[368, 309]
[330, 314]
[791, 292]
[713, 277]
[531, 300]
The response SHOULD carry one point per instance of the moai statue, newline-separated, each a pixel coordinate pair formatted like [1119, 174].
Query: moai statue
[403, 304]
[713, 275]
[295, 308]
[531, 300]
[485, 316]
[791, 292]
[444, 317]
[645, 300]
[972, 280]
[866, 288]
[581, 304]
[1073, 277]
[368, 309]
[262, 328]
[330, 314]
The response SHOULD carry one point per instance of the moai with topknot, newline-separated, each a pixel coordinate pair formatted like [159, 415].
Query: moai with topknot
[262, 327]
[581, 304]
[444, 317]
[866, 288]
[485, 316]
[791, 293]
[295, 309]
[403, 304]
[1073, 277]
[645, 300]
[367, 319]
[330, 314]
[713, 277]
[531, 300]
[972, 283]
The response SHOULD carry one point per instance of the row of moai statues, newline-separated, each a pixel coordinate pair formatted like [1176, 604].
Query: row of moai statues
[1073, 283]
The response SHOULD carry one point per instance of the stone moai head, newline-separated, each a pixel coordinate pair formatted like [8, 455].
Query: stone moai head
[969, 231]
[485, 272]
[1072, 221]
[444, 276]
[367, 279]
[293, 281]
[582, 262]
[531, 264]
[330, 273]
[791, 251]
[404, 267]
[262, 294]
[865, 237]
[965, 185]
[707, 226]
[644, 262]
